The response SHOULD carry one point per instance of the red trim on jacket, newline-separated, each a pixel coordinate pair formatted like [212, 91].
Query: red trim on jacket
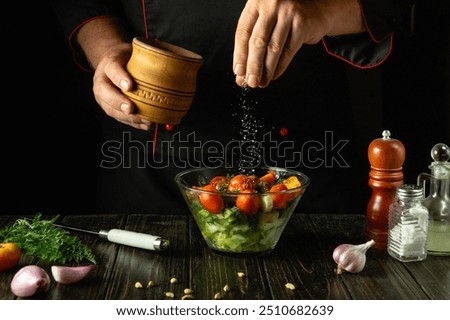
[372, 37]
[359, 66]
[144, 15]
[367, 25]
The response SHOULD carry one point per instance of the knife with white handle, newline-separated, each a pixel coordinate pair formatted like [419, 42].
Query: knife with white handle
[128, 238]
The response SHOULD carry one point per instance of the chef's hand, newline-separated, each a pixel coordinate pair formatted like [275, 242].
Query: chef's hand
[111, 76]
[270, 32]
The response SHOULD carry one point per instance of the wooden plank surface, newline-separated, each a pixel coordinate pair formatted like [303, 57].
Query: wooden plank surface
[137, 265]
[302, 257]
[433, 275]
[383, 277]
[212, 271]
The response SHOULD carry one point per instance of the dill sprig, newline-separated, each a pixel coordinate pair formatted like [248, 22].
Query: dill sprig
[42, 239]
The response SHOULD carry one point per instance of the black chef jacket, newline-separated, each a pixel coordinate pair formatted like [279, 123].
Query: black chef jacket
[310, 102]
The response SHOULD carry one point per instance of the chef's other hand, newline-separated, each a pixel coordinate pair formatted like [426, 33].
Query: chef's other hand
[111, 76]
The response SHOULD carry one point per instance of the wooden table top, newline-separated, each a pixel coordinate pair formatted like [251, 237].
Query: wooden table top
[302, 257]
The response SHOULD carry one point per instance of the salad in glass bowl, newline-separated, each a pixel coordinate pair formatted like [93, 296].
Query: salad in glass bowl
[239, 212]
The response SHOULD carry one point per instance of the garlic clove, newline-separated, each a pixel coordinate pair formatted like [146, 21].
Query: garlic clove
[66, 274]
[30, 280]
[351, 258]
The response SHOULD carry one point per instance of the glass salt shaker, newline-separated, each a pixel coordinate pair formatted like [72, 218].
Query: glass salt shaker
[408, 224]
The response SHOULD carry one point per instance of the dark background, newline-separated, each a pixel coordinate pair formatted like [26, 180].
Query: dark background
[50, 132]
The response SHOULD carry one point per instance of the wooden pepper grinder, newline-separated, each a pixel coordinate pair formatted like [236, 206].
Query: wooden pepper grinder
[386, 157]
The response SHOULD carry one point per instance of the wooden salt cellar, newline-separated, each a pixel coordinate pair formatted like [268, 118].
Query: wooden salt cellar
[386, 157]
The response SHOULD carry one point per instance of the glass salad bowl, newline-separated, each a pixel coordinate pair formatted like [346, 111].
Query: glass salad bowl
[240, 212]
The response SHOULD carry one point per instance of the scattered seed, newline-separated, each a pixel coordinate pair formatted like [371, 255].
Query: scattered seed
[217, 296]
[138, 285]
[241, 274]
[187, 297]
[173, 280]
[169, 294]
[150, 284]
[188, 291]
[226, 288]
[290, 286]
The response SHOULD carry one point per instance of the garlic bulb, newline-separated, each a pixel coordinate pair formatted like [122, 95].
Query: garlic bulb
[30, 280]
[350, 257]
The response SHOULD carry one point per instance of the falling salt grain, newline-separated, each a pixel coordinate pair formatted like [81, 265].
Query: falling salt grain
[249, 127]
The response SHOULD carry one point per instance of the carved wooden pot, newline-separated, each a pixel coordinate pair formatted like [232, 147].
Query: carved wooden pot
[165, 79]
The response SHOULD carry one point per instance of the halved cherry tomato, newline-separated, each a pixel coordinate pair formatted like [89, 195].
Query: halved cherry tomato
[280, 199]
[267, 180]
[220, 182]
[211, 201]
[248, 204]
[253, 179]
[241, 182]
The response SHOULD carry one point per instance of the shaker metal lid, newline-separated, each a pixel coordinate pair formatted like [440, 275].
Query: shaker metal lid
[409, 191]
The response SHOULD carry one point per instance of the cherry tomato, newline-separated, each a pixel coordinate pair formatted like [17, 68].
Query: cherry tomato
[211, 201]
[241, 182]
[169, 127]
[284, 132]
[248, 204]
[253, 181]
[268, 180]
[280, 199]
[220, 182]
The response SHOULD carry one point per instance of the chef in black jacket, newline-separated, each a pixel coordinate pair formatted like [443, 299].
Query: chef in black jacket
[273, 78]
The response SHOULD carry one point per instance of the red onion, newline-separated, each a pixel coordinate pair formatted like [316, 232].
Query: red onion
[30, 280]
[66, 275]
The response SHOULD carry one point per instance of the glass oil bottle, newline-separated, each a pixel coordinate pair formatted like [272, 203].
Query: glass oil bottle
[438, 200]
